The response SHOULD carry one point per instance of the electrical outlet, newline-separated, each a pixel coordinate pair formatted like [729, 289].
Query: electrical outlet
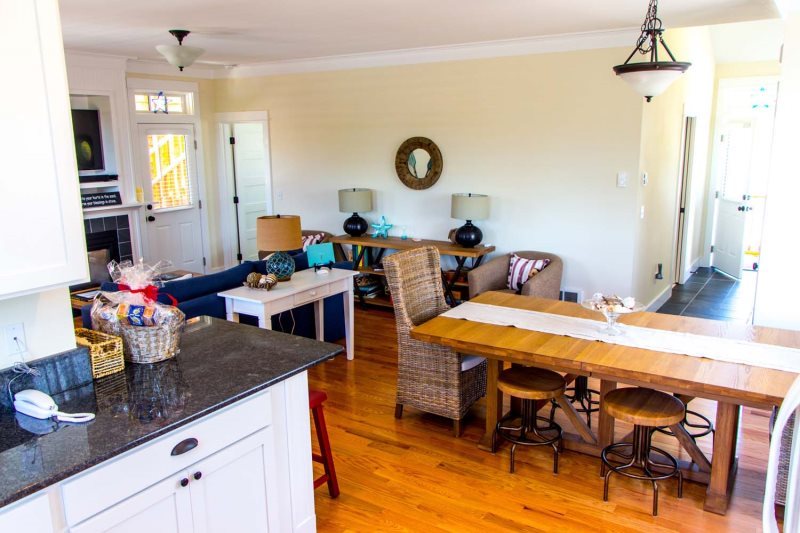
[279, 195]
[15, 338]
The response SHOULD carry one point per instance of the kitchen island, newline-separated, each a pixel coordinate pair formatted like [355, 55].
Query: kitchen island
[216, 438]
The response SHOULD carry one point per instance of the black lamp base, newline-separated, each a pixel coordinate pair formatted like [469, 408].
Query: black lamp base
[355, 226]
[469, 235]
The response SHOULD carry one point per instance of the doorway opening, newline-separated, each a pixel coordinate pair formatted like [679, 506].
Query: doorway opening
[246, 182]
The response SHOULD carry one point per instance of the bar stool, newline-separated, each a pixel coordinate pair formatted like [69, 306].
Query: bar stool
[530, 385]
[315, 400]
[646, 409]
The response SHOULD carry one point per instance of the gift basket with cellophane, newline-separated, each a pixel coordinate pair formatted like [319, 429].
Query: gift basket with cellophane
[150, 330]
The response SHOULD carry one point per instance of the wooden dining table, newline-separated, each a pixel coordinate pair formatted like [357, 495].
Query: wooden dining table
[731, 385]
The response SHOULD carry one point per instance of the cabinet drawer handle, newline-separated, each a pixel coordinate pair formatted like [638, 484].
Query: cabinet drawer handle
[198, 475]
[184, 446]
[313, 293]
[184, 482]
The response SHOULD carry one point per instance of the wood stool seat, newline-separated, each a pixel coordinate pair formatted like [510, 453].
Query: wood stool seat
[646, 409]
[315, 400]
[530, 385]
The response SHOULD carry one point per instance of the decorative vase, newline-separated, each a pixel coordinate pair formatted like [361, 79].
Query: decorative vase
[281, 264]
[355, 226]
[469, 235]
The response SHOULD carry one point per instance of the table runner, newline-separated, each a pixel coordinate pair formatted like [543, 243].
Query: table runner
[718, 348]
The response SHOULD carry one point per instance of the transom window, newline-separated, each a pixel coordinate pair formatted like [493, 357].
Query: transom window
[173, 103]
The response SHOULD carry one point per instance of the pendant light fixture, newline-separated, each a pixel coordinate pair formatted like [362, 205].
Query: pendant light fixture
[651, 78]
[177, 54]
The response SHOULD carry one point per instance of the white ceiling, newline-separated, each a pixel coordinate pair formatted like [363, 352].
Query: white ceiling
[261, 31]
[759, 40]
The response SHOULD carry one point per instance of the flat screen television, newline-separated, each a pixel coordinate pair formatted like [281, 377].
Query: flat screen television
[88, 142]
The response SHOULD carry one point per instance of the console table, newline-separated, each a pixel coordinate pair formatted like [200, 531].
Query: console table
[374, 248]
[306, 286]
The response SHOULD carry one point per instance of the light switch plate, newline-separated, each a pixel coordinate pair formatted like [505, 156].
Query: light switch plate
[622, 179]
[645, 178]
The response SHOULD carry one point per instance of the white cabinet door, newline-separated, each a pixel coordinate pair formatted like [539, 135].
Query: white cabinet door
[230, 489]
[31, 515]
[42, 235]
[163, 508]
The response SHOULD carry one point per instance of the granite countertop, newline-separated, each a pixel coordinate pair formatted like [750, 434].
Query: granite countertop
[219, 363]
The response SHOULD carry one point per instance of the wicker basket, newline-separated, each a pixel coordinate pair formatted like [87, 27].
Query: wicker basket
[148, 344]
[105, 351]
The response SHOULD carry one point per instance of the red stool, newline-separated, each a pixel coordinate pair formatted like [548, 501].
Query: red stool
[315, 400]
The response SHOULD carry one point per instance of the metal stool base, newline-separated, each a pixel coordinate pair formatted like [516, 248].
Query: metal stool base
[529, 432]
[639, 458]
[704, 425]
[582, 395]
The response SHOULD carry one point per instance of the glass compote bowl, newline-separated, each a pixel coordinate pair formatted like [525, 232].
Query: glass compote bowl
[612, 313]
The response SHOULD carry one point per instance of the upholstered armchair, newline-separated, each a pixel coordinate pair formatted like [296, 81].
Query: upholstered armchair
[493, 276]
[430, 377]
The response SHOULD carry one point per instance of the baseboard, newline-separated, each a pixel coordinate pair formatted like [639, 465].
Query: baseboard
[660, 300]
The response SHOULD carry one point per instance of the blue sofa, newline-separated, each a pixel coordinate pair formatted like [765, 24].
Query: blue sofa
[198, 296]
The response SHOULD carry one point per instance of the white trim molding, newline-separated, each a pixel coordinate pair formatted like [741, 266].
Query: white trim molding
[511, 47]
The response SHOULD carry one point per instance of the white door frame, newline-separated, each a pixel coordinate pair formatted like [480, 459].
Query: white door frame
[224, 172]
[138, 84]
[681, 255]
[713, 186]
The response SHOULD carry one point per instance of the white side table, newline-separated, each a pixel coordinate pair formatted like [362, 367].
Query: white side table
[305, 287]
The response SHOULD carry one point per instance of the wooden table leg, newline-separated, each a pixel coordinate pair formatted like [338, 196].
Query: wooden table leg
[494, 403]
[605, 430]
[723, 462]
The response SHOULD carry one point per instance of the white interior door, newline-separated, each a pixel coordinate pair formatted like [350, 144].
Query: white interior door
[172, 216]
[252, 181]
[737, 154]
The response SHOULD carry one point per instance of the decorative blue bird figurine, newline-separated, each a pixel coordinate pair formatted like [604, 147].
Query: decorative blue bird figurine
[382, 229]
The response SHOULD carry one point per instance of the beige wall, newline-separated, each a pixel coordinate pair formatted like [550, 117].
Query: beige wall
[47, 321]
[662, 131]
[544, 136]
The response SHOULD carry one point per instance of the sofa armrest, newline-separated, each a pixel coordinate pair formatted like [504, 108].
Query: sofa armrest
[490, 276]
[545, 284]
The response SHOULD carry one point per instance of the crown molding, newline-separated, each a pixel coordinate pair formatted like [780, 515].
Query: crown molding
[78, 59]
[506, 48]
[162, 68]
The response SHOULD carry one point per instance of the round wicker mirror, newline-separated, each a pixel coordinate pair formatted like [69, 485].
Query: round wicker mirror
[418, 163]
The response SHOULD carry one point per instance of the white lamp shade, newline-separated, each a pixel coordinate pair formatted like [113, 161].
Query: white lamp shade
[467, 206]
[178, 55]
[649, 83]
[355, 200]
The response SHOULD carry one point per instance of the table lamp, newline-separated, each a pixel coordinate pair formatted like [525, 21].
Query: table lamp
[278, 234]
[469, 207]
[353, 201]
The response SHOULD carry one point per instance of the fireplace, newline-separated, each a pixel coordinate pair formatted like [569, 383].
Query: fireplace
[107, 238]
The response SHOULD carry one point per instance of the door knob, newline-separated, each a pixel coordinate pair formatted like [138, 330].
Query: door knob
[184, 482]
[744, 208]
[151, 218]
[149, 206]
[197, 475]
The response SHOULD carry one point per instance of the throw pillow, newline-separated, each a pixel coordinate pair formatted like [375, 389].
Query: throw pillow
[521, 270]
[308, 240]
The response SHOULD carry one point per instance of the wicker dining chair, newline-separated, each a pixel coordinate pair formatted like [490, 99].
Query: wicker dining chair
[429, 376]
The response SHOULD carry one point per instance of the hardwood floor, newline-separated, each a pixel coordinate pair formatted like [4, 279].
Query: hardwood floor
[413, 475]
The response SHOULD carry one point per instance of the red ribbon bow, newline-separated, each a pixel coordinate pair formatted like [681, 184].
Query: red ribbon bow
[150, 292]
